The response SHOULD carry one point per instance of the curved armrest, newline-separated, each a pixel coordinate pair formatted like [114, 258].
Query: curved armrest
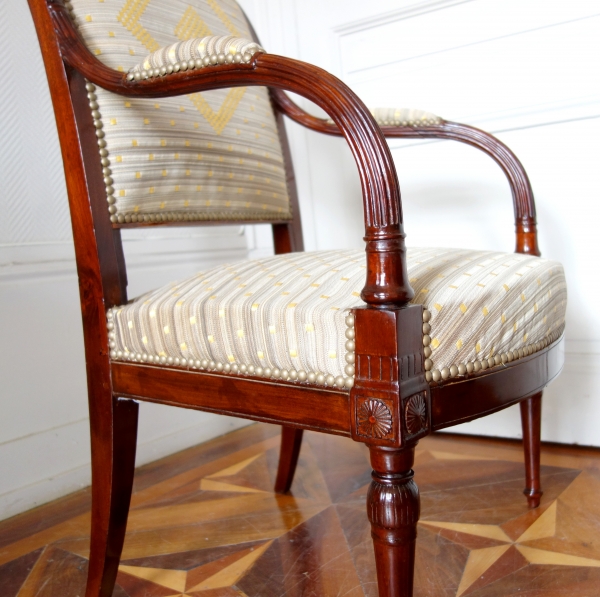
[427, 126]
[387, 277]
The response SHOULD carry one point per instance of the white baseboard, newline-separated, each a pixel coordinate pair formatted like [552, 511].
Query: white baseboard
[203, 427]
[570, 411]
[46, 466]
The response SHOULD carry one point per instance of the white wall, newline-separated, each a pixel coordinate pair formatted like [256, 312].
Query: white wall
[44, 437]
[521, 69]
[525, 70]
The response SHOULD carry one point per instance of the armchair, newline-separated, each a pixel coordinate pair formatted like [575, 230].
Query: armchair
[384, 348]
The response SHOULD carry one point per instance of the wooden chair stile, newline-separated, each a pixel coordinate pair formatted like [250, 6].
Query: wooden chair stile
[391, 398]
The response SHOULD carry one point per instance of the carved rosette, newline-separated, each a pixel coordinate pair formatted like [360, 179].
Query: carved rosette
[374, 419]
[415, 414]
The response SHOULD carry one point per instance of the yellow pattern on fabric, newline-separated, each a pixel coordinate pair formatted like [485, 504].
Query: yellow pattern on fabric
[291, 325]
[191, 25]
[218, 120]
[224, 18]
[219, 188]
[129, 16]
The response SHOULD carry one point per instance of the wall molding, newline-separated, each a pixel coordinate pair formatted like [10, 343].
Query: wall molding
[31, 261]
[375, 69]
[407, 12]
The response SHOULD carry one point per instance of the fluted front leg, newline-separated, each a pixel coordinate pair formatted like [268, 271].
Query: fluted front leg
[393, 507]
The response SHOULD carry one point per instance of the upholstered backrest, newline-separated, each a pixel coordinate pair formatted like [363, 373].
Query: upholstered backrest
[214, 155]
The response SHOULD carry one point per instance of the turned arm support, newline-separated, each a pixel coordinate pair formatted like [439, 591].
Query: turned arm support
[387, 277]
[523, 201]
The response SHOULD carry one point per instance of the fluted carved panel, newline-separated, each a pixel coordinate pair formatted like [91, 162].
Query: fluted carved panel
[377, 368]
[411, 365]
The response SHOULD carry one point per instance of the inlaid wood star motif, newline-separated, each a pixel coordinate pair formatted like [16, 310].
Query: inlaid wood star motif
[211, 526]
[217, 574]
[505, 552]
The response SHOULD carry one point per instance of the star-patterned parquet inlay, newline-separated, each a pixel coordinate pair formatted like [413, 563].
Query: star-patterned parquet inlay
[502, 551]
[205, 523]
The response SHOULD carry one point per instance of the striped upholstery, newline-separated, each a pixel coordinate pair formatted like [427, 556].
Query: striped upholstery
[203, 156]
[286, 316]
[194, 53]
[404, 117]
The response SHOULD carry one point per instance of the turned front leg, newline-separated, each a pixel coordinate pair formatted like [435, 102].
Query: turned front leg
[393, 507]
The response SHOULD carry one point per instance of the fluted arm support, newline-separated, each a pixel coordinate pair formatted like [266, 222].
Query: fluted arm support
[523, 201]
[387, 278]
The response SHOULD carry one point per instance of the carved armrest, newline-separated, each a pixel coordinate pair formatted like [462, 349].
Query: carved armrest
[405, 123]
[387, 277]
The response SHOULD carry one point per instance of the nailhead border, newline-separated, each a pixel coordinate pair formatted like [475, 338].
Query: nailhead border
[126, 218]
[328, 380]
[412, 123]
[426, 122]
[311, 377]
[462, 369]
[208, 61]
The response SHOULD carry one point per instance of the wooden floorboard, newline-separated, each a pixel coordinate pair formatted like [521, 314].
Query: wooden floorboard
[205, 523]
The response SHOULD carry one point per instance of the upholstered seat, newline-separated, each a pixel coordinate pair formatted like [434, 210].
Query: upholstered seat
[285, 317]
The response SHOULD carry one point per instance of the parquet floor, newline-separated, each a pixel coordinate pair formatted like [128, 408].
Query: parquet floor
[205, 523]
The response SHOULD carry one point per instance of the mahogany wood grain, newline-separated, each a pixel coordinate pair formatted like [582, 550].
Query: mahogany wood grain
[293, 228]
[114, 453]
[531, 420]
[389, 372]
[101, 283]
[328, 409]
[393, 508]
[476, 396]
[296, 405]
[291, 442]
[110, 248]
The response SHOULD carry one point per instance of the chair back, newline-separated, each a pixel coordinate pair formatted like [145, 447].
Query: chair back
[210, 156]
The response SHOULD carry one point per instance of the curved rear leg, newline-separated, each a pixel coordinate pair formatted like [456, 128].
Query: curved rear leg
[531, 420]
[114, 434]
[291, 442]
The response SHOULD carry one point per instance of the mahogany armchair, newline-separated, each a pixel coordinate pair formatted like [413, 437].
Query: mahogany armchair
[383, 348]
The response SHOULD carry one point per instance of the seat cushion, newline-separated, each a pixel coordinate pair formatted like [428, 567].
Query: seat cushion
[286, 317]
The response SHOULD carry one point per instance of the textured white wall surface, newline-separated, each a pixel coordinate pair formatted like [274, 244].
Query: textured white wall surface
[523, 69]
[44, 434]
